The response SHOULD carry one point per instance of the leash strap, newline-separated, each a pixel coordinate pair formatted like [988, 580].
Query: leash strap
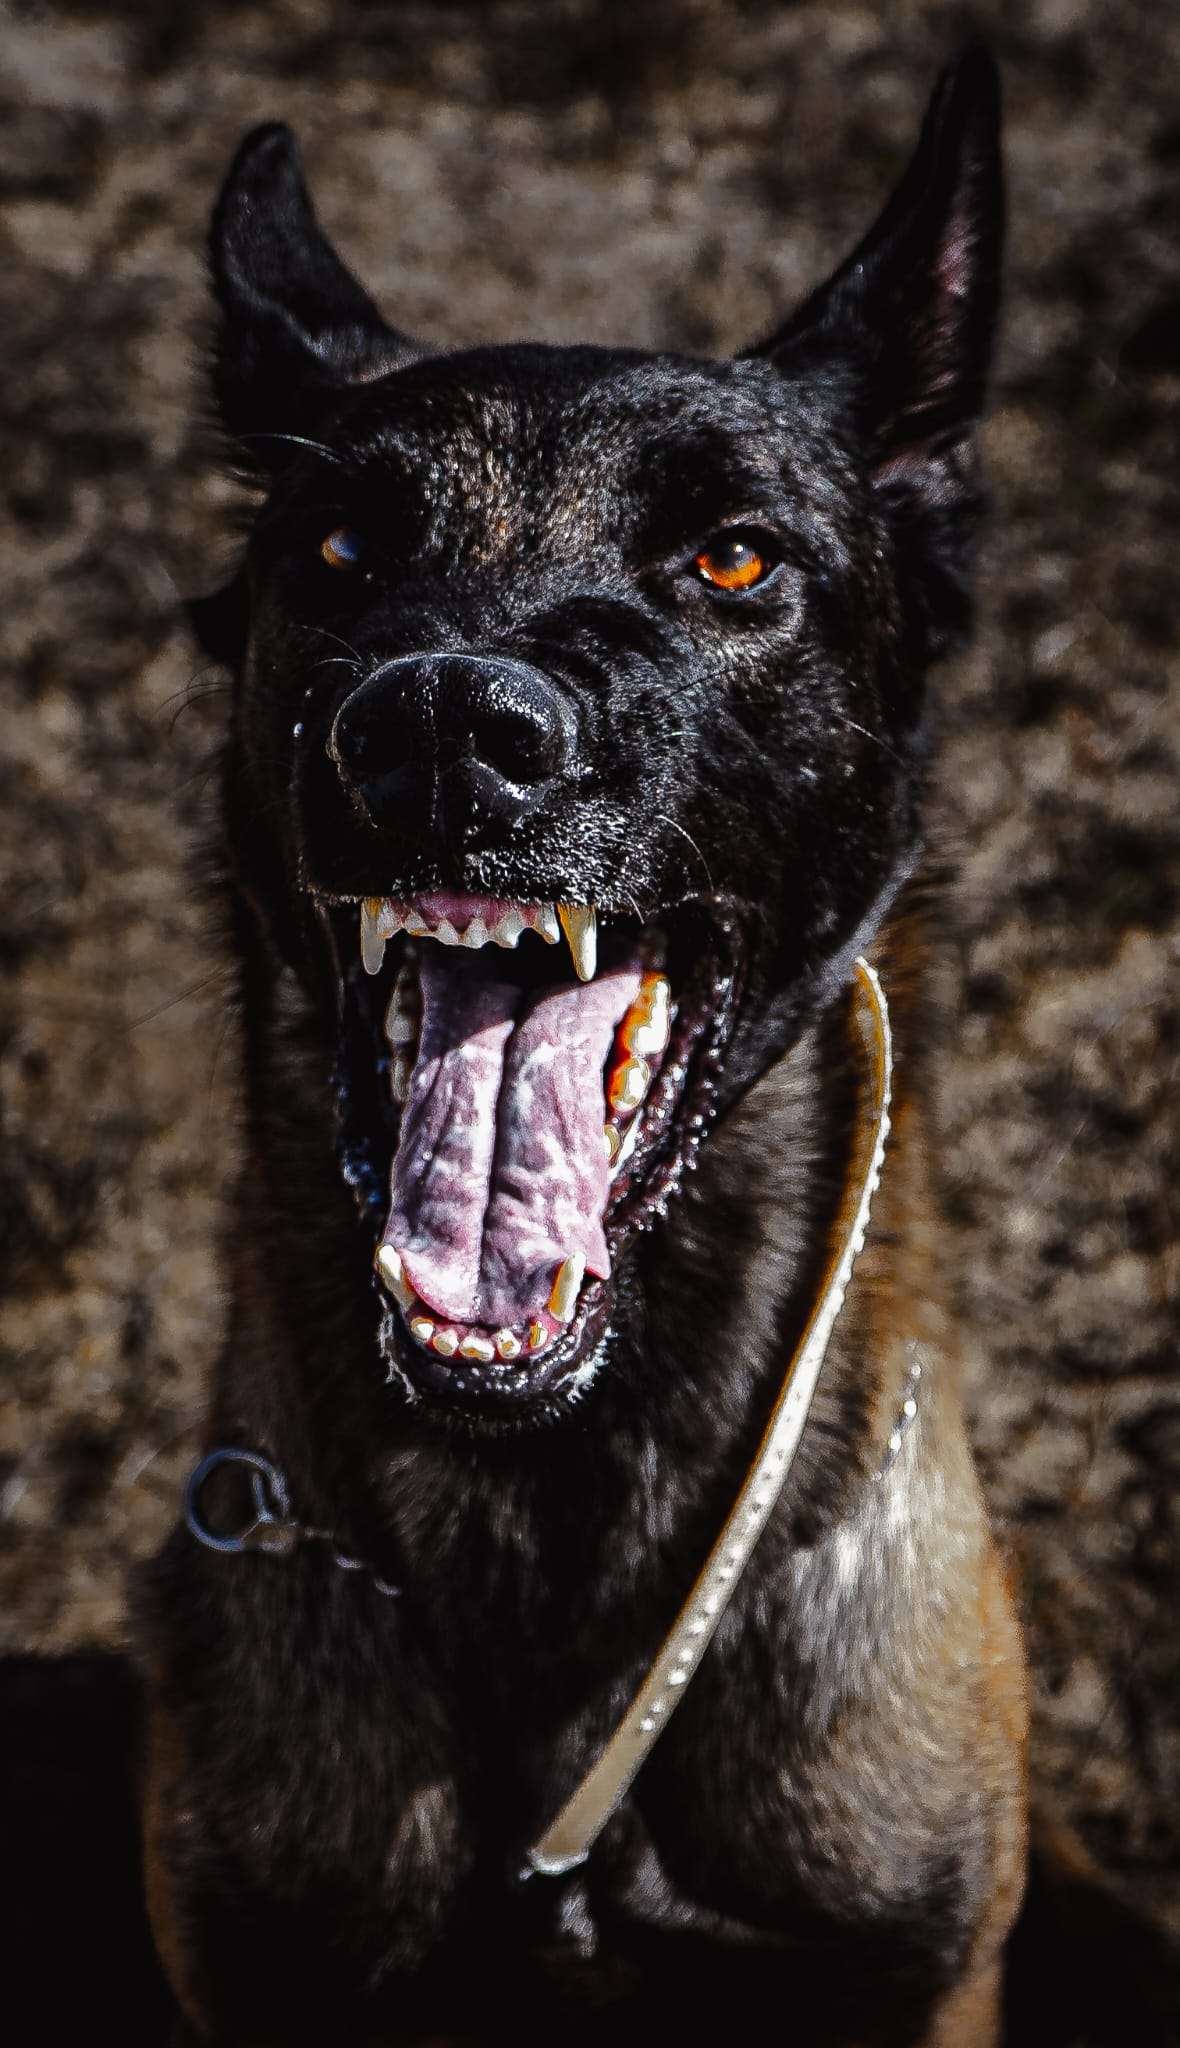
[569, 1839]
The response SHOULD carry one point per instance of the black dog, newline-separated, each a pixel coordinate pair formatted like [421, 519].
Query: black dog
[628, 651]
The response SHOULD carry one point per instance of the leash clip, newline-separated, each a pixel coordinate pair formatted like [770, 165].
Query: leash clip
[272, 1530]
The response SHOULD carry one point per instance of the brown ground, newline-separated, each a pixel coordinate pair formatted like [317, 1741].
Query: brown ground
[668, 173]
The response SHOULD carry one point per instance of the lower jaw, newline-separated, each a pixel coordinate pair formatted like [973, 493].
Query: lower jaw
[538, 1385]
[508, 1390]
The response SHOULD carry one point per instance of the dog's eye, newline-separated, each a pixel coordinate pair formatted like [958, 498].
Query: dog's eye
[342, 549]
[736, 560]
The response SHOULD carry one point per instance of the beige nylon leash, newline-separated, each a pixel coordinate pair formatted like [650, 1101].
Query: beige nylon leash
[569, 1839]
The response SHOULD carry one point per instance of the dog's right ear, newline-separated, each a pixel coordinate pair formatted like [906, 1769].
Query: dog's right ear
[295, 327]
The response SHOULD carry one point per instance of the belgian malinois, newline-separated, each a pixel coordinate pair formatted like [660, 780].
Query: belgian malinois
[572, 835]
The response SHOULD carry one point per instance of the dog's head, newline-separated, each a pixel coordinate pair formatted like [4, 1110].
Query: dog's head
[577, 720]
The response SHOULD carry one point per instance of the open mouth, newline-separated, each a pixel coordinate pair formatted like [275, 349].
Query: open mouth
[521, 1086]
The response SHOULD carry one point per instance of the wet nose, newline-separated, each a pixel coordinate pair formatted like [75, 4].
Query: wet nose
[459, 743]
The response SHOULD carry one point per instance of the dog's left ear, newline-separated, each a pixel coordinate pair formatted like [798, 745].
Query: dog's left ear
[296, 328]
[912, 316]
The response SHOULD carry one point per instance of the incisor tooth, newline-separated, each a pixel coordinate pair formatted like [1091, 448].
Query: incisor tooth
[579, 922]
[563, 1300]
[538, 1336]
[422, 1328]
[445, 931]
[477, 1347]
[389, 1265]
[545, 922]
[401, 1066]
[507, 1344]
[372, 944]
[476, 933]
[612, 1139]
[509, 929]
[445, 1342]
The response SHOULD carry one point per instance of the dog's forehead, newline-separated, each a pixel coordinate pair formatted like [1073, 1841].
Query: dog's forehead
[562, 431]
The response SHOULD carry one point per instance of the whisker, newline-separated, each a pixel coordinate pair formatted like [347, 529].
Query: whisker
[300, 441]
[664, 820]
[340, 642]
[863, 730]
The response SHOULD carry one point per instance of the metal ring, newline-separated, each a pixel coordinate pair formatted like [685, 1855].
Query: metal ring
[269, 1513]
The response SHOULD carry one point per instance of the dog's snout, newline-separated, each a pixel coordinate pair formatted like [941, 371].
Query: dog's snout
[462, 743]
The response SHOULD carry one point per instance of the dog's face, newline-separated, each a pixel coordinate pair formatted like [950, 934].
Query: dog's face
[578, 709]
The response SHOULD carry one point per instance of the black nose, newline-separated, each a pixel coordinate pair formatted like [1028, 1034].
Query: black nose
[453, 743]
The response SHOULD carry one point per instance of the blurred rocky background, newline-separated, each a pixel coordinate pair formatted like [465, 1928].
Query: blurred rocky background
[663, 174]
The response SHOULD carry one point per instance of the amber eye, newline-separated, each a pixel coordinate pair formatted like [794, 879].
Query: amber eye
[342, 549]
[734, 561]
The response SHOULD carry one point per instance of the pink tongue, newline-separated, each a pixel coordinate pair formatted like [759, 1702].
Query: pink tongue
[501, 1172]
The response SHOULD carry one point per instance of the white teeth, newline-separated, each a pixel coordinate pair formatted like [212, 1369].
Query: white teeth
[400, 1027]
[477, 1347]
[372, 944]
[647, 1026]
[563, 1299]
[403, 1017]
[382, 916]
[507, 1344]
[579, 922]
[389, 1266]
[401, 1066]
[628, 1085]
[422, 1328]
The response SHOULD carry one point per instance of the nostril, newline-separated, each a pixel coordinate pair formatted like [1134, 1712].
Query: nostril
[382, 726]
[516, 722]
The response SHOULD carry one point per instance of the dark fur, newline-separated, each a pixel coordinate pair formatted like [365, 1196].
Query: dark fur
[342, 1786]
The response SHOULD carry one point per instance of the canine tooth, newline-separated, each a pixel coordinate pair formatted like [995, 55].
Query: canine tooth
[476, 934]
[579, 922]
[545, 922]
[372, 944]
[507, 1344]
[401, 1066]
[477, 1347]
[629, 1084]
[563, 1300]
[389, 1265]
[509, 929]
[422, 1328]
[445, 1342]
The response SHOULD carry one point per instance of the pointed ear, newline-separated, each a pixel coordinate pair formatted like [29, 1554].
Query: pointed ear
[912, 313]
[295, 327]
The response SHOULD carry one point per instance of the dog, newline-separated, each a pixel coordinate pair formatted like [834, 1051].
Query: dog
[572, 804]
